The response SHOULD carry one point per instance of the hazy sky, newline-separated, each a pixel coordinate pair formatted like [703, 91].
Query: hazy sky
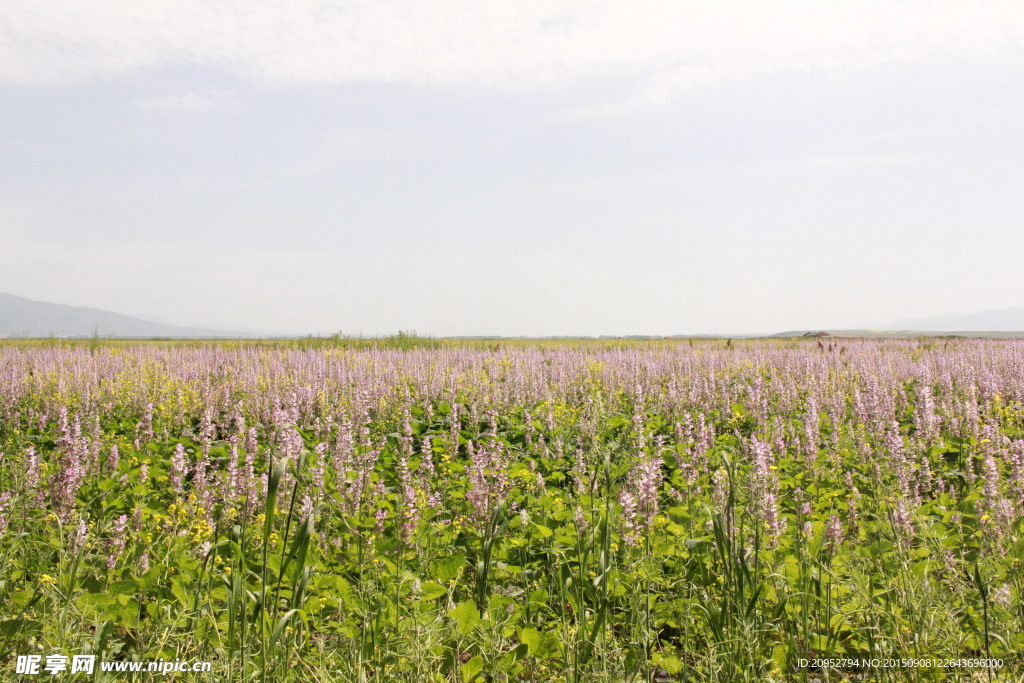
[518, 167]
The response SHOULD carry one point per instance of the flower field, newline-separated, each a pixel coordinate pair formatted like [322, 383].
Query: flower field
[577, 512]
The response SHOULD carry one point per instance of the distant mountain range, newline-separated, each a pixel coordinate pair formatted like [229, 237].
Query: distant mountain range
[21, 317]
[895, 334]
[994, 323]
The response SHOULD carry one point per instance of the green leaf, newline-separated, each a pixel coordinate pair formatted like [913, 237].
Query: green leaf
[10, 627]
[530, 637]
[539, 644]
[779, 655]
[126, 615]
[466, 617]
[513, 656]
[820, 644]
[282, 623]
[542, 531]
[21, 599]
[449, 569]
[670, 664]
[432, 591]
[472, 668]
[178, 591]
[187, 564]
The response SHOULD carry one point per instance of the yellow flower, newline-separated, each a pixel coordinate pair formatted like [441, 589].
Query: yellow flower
[200, 529]
[47, 580]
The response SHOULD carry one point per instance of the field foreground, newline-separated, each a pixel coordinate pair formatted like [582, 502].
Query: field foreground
[762, 511]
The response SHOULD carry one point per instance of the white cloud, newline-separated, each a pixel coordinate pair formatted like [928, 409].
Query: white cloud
[187, 103]
[511, 44]
[856, 161]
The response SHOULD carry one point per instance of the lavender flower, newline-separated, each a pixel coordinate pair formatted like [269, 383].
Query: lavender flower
[116, 542]
[34, 475]
[178, 469]
[834, 531]
[5, 501]
[630, 519]
[639, 497]
[488, 479]
[720, 489]
[764, 488]
[903, 525]
[145, 427]
[113, 459]
[78, 537]
[409, 507]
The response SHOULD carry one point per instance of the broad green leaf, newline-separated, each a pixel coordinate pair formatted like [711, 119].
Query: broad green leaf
[472, 668]
[431, 590]
[530, 637]
[466, 617]
[448, 569]
[670, 664]
[178, 591]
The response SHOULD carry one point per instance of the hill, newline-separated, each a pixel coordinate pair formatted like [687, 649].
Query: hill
[22, 317]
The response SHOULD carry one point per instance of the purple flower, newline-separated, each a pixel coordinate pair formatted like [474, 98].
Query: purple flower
[34, 475]
[78, 538]
[5, 501]
[639, 497]
[488, 478]
[903, 525]
[630, 520]
[410, 507]
[178, 469]
[113, 459]
[834, 531]
[116, 542]
[764, 488]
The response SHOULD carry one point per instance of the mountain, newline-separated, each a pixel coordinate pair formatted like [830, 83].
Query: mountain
[995, 320]
[901, 334]
[993, 323]
[21, 317]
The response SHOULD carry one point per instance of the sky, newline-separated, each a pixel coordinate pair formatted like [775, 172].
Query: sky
[555, 167]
